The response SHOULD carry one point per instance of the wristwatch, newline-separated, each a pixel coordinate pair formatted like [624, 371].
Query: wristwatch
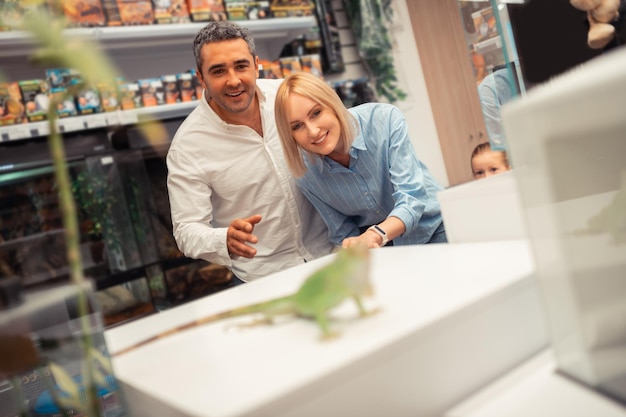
[380, 232]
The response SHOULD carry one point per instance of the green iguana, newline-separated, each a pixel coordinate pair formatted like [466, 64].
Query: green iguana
[347, 276]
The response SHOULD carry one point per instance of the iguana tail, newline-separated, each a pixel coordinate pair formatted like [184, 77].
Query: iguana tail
[269, 309]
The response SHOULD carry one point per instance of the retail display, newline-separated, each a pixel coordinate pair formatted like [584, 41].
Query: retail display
[119, 180]
[576, 220]
[44, 359]
[424, 351]
[347, 277]
[98, 13]
[109, 96]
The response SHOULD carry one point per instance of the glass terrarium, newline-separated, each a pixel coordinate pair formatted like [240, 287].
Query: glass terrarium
[567, 140]
[116, 208]
[175, 279]
[116, 241]
[32, 244]
[53, 355]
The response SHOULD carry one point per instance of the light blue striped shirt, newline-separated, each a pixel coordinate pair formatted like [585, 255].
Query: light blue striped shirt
[385, 178]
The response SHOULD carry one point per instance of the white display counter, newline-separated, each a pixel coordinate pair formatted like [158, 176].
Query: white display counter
[483, 210]
[454, 318]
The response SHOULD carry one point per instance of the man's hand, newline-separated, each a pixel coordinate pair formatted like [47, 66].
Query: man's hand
[239, 232]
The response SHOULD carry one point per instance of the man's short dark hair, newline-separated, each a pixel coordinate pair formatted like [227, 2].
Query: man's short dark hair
[220, 31]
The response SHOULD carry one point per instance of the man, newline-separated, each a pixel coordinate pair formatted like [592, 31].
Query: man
[232, 198]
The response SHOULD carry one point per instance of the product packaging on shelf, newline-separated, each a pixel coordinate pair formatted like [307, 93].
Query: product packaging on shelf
[12, 12]
[130, 97]
[247, 10]
[185, 86]
[66, 107]
[286, 8]
[171, 11]
[109, 96]
[205, 10]
[152, 92]
[36, 100]
[271, 69]
[112, 12]
[59, 80]
[11, 104]
[170, 88]
[196, 83]
[81, 13]
[313, 64]
[289, 65]
[136, 12]
[88, 101]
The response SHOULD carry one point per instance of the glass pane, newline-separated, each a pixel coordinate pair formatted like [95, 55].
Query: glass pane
[494, 59]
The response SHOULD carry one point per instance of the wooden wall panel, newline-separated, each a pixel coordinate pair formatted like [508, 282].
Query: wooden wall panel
[448, 73]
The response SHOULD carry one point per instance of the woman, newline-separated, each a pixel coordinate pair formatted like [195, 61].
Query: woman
[357, 166]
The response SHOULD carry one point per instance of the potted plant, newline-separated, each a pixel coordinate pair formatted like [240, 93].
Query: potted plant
[369, 20]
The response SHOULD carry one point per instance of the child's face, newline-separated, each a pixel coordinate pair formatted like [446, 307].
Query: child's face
[487, 164]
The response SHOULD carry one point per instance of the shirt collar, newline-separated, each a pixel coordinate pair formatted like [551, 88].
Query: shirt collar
[359, 144]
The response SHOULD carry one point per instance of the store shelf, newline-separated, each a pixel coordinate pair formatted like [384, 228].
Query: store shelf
[96, 121]
[16, 43]
[489, 45]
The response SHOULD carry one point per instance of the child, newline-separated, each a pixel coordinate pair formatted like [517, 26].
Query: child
[486, 162]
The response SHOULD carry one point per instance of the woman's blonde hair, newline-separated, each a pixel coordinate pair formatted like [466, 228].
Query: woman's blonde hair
[318, 90]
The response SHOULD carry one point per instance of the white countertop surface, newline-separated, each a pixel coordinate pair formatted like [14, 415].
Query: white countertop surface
[222, 370]
[536, 389]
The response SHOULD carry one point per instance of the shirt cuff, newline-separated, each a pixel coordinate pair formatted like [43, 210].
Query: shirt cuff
[222, 253]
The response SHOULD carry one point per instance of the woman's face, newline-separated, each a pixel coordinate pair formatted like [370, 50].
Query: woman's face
[314, 127]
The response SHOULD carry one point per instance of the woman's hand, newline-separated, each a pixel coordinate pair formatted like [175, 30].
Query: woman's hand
[367, 238]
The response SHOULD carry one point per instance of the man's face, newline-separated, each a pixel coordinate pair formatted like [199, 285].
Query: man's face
[229, 74]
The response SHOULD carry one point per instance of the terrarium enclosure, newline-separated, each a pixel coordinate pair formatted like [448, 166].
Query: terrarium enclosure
[126, 244]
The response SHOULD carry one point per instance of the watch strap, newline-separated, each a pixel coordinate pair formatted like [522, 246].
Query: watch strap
[380, 232]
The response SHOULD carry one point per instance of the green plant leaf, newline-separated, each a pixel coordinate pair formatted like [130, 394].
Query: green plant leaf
[70, 397]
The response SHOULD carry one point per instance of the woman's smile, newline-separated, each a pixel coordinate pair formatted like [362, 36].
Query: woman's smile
[320, 140]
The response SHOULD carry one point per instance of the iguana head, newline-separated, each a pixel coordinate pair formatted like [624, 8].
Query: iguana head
[356, 260]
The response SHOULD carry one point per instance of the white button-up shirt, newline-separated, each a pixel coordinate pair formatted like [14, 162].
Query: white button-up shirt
[218, 172]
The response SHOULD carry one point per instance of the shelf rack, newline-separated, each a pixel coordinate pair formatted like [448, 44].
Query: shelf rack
[16, 44]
